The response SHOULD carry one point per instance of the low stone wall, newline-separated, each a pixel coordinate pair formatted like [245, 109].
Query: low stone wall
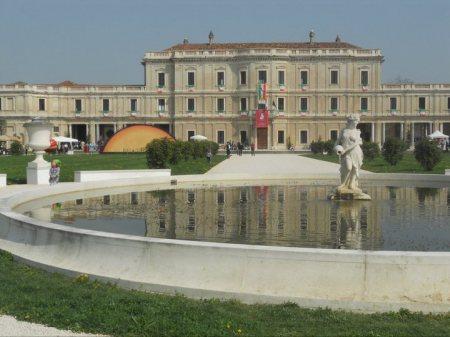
[85, 176]
[346, 279]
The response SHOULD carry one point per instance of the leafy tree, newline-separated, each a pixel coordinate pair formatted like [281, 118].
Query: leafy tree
[316, 146]
[393, 150]
[328, 147]
[371, 150]
[16, 148]
[157, 155]
[427, 153]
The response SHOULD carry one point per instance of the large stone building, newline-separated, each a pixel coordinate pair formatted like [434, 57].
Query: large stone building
[210, 89]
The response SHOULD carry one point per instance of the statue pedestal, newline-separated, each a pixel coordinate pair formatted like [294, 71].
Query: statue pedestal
[38, 171]
[349, 195]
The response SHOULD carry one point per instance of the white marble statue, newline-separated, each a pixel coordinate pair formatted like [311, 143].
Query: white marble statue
[348, 147]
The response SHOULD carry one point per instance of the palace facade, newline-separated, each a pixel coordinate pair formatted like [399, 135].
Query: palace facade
[210, 89]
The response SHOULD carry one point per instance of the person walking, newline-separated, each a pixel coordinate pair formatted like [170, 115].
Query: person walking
[209, 155]
[228, 148]
[252, 148]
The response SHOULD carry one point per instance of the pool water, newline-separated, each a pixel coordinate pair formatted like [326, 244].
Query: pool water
[398, 218]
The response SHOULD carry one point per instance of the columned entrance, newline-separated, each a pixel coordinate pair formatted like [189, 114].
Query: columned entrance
[446, 128]
[392, 130]
[420, 131]
[366, 131]
[105, 131]
[261, 136]
[79, 131]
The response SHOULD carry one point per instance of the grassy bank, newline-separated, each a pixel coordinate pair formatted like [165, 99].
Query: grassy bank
[15, 166]
[80, 305]
[407, 165]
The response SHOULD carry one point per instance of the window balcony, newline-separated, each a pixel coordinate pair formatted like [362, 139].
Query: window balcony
[393, 112]
[334, 112]
[78, 113]
[243, 112]
[105, 113]
[133, 113]
[423, 112]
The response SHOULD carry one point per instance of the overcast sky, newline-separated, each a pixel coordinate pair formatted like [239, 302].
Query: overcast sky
[103, 41]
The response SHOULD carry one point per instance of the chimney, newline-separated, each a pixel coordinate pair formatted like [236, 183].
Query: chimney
[185, 40]
[311, 36]
[211, 37]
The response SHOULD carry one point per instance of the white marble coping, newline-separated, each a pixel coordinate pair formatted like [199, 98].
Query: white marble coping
[85, 176]
[2, 180]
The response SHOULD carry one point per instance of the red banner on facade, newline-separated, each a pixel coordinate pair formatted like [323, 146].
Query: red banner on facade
[262, 118]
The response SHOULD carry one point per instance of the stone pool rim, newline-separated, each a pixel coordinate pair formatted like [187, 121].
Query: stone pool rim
[73, 251]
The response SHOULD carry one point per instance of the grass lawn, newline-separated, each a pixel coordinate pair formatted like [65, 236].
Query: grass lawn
[82, 305]
[15, 166]
[407, 165]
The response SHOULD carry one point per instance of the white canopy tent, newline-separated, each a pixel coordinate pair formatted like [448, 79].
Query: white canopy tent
[437, 135]
[198, 137]
[61, 139]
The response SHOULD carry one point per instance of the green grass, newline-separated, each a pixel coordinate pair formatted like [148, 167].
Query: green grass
[90, 306]
[378, 165]
[15, 166]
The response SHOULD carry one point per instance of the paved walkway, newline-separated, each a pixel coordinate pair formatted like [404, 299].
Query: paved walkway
[274, 164]
[10, 327]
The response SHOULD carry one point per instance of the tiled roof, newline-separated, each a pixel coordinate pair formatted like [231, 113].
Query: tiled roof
[262, 45]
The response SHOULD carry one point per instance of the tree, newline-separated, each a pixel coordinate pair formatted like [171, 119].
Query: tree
[427, 153]
[370, 150]
[393, 150]
[16, 148]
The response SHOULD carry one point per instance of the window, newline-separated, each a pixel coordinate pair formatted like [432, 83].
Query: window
[106, 105]
[161, 104]
[262, 76]
[304, 77]
[220, 197]
[41, 104]
[133, 104]
[280, 103]
[191, 134]
[191, 104]
[106, 200]
[333, 134]
[334, 77]
[280, 77]
[161, 80]
[221, 137]
[56, 129]
[281, 137]
[393, 103]
[448, 103]
[303, 104]
[303, 137]
[134, 198]
[221, 104]
[191, 78]
[334, 103]
[78, 106]
[191, 223]
[191, 197]
[220, 78]
[243, 77]
[243, 134]
[364, 103]
[364, 77]
[243, 106]
[1, 104]
[421, 103]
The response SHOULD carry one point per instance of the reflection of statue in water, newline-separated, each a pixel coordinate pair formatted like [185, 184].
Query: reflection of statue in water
[349, 218]
[348, 147]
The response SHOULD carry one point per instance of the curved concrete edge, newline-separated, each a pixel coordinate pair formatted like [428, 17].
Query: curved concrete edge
[340, 279]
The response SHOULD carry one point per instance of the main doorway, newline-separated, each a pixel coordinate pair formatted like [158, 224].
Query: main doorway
[79, 131]
[261, 135]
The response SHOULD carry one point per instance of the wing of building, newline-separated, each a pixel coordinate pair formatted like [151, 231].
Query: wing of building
[210, 89]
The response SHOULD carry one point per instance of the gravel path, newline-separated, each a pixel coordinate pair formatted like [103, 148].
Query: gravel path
[11, 327]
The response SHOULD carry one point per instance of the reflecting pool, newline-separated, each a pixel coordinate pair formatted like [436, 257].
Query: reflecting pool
[398, 218]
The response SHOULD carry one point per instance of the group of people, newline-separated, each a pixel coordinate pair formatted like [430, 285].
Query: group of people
[238, 148]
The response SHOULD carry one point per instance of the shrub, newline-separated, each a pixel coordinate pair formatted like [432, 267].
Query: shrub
[157, 153]
[176, 151]
[371, 150]
[316, 146]
[427, 153]
[328, 146]
[16, 148]
[188, 149]
[393, 150]
[214, 147]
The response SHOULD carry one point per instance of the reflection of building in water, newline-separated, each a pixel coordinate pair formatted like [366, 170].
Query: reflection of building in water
[278, 215]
